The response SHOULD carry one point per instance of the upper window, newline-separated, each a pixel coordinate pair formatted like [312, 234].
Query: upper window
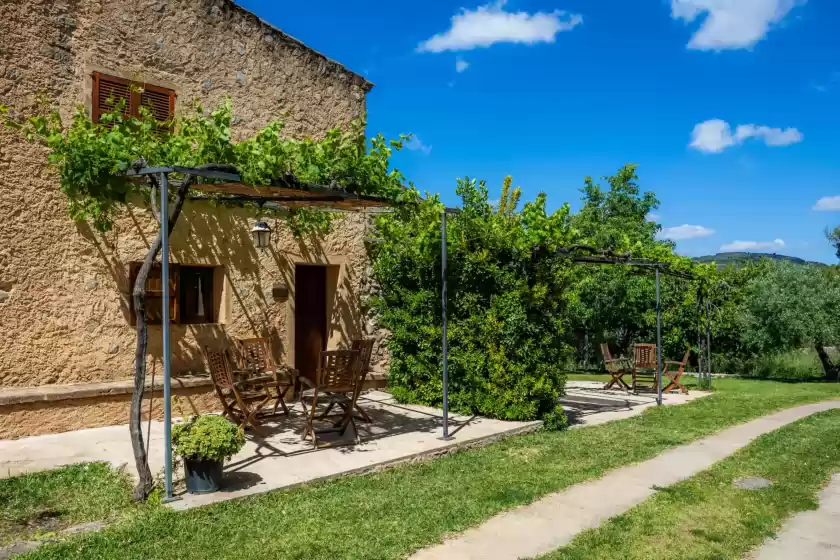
[109, 91]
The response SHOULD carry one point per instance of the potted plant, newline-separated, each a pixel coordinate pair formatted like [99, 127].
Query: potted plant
[204, 442]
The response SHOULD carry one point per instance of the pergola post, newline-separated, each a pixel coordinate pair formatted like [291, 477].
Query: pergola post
[446, 435]
[167, 397]
[658, 343]
[709, 341]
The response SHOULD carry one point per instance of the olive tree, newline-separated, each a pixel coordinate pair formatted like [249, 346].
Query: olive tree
[792, 306]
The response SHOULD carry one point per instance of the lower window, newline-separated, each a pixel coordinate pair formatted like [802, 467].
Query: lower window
[192, 294]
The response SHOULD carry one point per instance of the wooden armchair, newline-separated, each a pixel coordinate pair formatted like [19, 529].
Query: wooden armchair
[240, 402]
[644, 366]
[257, 362]
[674, 375]
[617, 368]
[336, 380]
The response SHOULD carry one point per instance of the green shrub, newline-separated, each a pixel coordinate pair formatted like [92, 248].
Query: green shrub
[505, 304]
[207, 437]
[793, 365]
[556, 420]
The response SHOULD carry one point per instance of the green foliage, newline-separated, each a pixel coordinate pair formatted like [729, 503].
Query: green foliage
[91, 158]
[207, 437]
[833, 236]
[505, 308]
[556, 420]
[614, 304]
[788, 307]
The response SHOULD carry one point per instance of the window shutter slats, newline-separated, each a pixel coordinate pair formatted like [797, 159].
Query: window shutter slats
[156, 102]
[109, 91]
[109, 95]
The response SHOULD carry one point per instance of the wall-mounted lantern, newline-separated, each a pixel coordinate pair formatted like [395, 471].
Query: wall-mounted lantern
[262, 235]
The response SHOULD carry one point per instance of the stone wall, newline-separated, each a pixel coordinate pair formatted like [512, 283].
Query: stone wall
[64, 313]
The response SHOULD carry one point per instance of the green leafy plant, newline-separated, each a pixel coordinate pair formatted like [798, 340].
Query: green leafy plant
[207, 437]
[92, 158]
[506, 324]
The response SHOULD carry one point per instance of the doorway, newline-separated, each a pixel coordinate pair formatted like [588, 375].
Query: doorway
[310, 317]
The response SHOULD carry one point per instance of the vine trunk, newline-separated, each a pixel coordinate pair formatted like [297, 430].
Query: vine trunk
[141, 460]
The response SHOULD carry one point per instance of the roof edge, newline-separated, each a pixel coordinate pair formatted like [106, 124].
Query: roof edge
[358, 79]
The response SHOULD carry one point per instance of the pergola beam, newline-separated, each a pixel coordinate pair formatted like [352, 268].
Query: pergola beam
[642, 266]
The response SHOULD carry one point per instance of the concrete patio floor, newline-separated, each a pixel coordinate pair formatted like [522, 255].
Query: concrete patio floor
[399, 433]
[588, 404]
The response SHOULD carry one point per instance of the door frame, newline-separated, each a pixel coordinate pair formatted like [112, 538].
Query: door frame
[336, 266]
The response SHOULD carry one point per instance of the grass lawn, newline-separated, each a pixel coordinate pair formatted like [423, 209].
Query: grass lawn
[37, 505]
[705, 517]
[390, 514]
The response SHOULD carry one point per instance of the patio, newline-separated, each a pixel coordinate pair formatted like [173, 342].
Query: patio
[399, 433]
[587, 403]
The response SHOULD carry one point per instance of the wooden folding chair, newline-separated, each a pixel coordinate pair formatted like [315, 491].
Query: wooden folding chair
[258, 365]
[617, 368]
[644, 366]
[364, 347]
[674, 375]
[335, 377]
[239, 402]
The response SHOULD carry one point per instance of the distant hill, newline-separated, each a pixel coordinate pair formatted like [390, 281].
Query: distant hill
[725, 259]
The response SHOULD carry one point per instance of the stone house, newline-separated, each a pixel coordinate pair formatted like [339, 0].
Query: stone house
[66, 334]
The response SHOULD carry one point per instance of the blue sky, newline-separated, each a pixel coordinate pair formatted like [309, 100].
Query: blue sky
[731, 108]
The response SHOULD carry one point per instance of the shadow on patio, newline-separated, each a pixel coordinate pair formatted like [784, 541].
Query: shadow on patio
[398, 433]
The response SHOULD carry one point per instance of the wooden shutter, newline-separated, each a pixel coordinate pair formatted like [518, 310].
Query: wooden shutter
[160, 101]
[154, 293]
[108, 91]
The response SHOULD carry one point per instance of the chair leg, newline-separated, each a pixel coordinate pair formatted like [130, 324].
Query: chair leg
[310, 426]
[281, 402]
[327, 412]
[363, 415]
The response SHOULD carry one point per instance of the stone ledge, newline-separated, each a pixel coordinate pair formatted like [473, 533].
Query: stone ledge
[54, 393]
[51, 393]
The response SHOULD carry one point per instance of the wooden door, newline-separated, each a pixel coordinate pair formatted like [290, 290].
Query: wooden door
[310, 317]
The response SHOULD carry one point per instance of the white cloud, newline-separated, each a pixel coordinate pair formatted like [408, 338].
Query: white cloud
[731, 24]
[715, 135]
[654, 217]
[490, 24]
[685, 231]
[461, 65]
[753, 245]
[828, 204]
[417, 145]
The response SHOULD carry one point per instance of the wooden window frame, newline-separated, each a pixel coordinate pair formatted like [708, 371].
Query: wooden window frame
[134, 102]
[177, 313]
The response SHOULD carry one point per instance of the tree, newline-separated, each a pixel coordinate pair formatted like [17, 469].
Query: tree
[505, 309]
[834, 238]
[792, 306]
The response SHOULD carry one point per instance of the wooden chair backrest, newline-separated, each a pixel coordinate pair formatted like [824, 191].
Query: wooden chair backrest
[364, 347]
[337, 370]
[684, 361]
[220, 368]
[256, 355]
[645, 356]
[605, 350]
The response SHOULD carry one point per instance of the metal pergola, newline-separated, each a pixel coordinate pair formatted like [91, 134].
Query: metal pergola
[585, 254]
[223, 184]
